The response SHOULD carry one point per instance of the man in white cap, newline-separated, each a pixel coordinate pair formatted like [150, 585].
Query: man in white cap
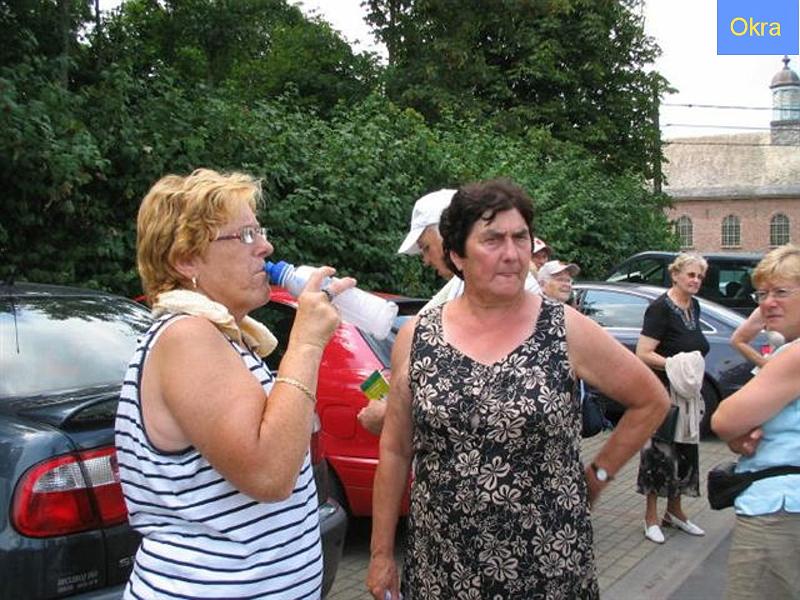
[540, 254]
[423, 237]
[556, 277]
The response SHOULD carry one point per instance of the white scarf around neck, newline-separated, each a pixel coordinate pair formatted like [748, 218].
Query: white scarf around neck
[251, 333]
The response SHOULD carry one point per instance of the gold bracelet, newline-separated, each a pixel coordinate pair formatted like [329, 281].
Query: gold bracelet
[299, 385]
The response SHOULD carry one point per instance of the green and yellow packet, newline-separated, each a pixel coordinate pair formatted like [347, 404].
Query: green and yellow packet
[375, 387]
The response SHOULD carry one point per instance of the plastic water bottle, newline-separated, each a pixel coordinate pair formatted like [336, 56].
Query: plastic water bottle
[372, 314]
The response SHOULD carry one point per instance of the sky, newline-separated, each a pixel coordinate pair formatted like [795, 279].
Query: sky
[686, 32]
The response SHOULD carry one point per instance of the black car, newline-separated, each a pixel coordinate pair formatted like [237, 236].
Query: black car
[727, 281]
[63, 521]
[620, 307]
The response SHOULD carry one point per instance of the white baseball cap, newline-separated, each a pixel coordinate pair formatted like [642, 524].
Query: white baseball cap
[538, 245]
[554, 267]
[427, 211]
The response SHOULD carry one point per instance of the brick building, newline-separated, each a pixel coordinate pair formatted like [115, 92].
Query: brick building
[740, 192]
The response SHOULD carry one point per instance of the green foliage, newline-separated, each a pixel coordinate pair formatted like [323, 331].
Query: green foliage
[47, 160]
[199, 40]
[46, 28]
[256, 49]
[310, 60]
[160, 88]
[575, 67]
[353, 197]
[354, 187]
[577, 203]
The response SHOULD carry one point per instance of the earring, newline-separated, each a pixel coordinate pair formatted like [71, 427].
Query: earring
[194, 282]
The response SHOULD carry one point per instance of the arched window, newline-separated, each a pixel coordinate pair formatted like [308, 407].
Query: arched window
[779, 230]
[731, 232]
[685, 231]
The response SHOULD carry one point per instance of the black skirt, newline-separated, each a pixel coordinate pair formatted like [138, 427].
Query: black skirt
[669, 469]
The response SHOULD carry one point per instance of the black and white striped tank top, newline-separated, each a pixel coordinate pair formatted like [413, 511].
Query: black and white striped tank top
[202, 538]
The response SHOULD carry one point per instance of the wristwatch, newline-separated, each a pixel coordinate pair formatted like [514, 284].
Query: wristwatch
[601, 474]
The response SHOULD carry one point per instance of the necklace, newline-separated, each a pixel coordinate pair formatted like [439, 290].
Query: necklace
[684, 304]
[685, 312]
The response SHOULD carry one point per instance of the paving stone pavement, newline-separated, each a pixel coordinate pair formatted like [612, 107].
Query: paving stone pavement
[629, 567]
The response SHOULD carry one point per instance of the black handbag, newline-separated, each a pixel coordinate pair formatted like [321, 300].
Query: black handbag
[593, 418]
[666, 431]
[724, 484]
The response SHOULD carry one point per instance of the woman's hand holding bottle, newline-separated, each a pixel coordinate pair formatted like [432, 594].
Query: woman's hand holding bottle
[317, 318]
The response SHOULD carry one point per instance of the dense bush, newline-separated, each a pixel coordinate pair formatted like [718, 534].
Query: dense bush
[340, 180]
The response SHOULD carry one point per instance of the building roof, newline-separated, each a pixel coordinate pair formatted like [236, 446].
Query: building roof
[785, 76]
[742, 165]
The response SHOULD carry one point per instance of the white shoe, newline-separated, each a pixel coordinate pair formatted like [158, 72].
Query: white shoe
[686, 526]
[654, 533]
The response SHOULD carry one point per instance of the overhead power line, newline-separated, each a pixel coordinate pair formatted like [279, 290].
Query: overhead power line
[737, 144]
[723, 106]
[751, 127]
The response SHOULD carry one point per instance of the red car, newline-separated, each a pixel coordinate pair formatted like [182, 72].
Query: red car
[351, 356]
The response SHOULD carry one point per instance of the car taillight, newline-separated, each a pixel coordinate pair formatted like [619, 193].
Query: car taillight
[68, 494]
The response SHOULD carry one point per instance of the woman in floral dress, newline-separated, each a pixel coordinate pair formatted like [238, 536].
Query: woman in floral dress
[482, 402]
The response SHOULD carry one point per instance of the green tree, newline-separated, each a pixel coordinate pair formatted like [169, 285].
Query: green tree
[575, 67]
[340, 180]
[578, 203]
[44, 28]
[200, 40]
[47, 159]
[255, 49]
[311, 60]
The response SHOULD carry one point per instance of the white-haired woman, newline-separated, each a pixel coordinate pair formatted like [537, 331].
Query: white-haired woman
[671, 332]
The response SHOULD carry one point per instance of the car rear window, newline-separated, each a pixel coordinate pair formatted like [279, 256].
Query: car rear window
[55, 344]
[728, 280]
[727, 316]
[383, 348]
[614, 309]
[652, 271]
[279, 319]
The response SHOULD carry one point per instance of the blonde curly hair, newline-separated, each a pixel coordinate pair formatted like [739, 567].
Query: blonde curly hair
[180, 216]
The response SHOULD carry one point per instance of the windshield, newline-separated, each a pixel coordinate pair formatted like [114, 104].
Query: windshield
[55, 344]
[727, 316]
[383, 348]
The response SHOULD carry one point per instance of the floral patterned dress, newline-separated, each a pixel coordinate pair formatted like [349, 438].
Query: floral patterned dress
[498, 505]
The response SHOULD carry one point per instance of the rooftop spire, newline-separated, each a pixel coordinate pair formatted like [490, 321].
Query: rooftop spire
[785, 124]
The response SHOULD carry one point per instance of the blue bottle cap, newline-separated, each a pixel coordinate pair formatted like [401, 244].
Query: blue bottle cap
[277, 271]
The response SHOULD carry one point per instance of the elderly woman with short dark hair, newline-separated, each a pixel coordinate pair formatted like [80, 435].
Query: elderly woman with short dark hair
[482, 403]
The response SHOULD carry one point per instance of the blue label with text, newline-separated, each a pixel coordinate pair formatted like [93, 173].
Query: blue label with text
[758, 26]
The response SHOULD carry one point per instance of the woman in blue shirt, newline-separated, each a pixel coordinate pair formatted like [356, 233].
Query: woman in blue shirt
[762, 420]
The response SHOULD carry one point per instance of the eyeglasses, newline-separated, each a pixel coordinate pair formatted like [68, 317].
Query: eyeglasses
[760, 296]
[246, 235]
